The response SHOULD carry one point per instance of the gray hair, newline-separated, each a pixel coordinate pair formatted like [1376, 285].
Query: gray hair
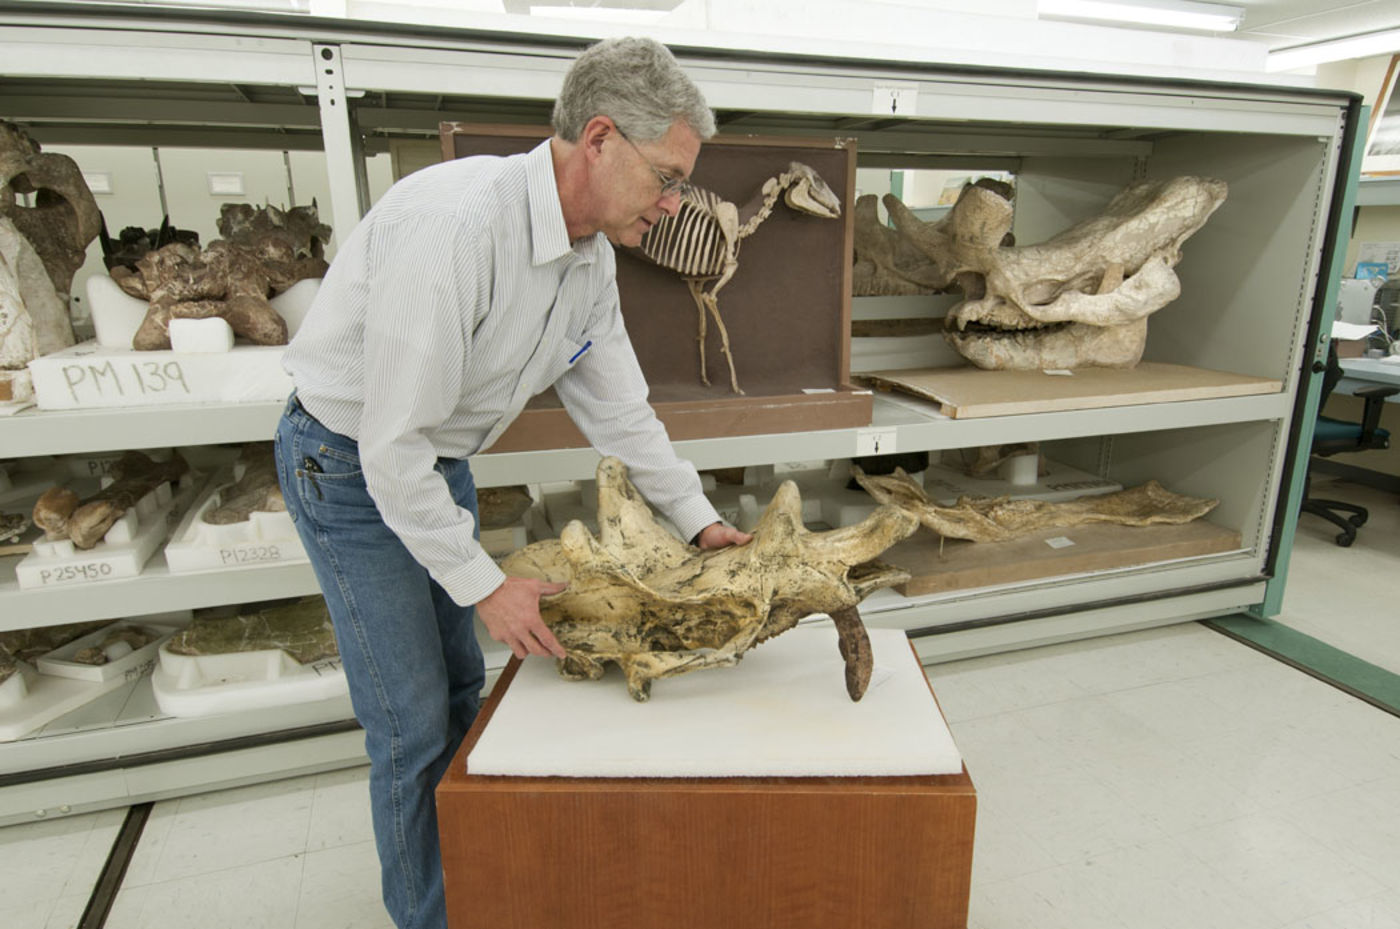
[637, 84]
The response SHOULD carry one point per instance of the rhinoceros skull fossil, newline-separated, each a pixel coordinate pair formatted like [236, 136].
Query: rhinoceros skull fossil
[1081, 298]
[656, 607]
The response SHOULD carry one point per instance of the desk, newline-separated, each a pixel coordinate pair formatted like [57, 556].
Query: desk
[1368, 372]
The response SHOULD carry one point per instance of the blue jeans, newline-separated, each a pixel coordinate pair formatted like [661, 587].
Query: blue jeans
[411, 656]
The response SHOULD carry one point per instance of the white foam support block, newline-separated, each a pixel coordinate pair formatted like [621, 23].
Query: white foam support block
[1060, 482]
[206, 685]
[783, 711]
[123, 551]
[200, 336]
[116, 315]
[89, 376]
[264, 538]
[127, 667]
[43, 698]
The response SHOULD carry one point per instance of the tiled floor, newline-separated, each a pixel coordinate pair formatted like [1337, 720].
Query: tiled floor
[1166, 778]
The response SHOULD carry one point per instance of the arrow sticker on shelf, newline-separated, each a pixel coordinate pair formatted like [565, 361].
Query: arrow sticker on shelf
[896, 99]
[875, 442]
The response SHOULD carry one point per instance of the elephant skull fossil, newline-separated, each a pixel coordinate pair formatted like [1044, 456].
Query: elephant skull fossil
[1081, 298]
[641, 598]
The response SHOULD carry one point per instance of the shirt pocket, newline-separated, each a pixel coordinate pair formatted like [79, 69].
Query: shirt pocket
[562, 358]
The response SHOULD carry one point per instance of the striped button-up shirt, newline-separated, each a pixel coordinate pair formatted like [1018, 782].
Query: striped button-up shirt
[451, 304]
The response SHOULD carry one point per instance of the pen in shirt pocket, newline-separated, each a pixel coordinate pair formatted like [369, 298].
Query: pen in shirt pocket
[579, 354]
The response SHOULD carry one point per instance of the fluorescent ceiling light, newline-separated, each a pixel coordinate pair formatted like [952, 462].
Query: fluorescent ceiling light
[1178, 14]
[599, 13]
[1359, 46]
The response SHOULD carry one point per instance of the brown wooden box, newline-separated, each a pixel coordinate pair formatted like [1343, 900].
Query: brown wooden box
[703, 853]
[787, 308]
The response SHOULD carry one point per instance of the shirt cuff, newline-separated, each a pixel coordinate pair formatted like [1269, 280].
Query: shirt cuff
[693, 515]
[474, 581]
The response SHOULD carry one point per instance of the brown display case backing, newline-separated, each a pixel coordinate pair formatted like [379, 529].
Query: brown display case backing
[787, 308]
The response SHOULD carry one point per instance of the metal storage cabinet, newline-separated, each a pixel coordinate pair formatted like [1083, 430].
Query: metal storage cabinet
[1257, 288]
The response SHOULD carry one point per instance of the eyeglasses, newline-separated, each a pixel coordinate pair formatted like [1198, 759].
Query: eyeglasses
[670, 184]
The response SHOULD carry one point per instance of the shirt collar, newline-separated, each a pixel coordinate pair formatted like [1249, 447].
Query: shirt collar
[549, 237]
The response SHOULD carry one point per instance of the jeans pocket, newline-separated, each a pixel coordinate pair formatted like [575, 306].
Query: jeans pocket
[331, 475]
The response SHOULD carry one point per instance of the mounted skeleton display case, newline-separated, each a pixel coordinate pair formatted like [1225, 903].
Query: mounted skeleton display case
[1257, 285]
[782, 314]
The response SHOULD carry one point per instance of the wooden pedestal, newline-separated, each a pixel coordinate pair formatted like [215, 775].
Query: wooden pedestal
[703, 853]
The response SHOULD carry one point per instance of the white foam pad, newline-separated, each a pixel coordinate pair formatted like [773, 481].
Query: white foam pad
[783, 711]
[200, 336]
[294, 302]
[116, 315]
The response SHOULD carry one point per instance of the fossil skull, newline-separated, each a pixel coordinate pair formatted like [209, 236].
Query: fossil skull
[1081, 298]
[641, 598]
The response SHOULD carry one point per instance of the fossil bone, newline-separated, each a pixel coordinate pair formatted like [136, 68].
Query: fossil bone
[656, 607]
[133, 242]
[64, 217]
[1000, 519]
[61, 514]
[1082, 297]
[257, 490]
[116, 644]
[301, 628]
[701, 242]
[263, 253]
[888, 264]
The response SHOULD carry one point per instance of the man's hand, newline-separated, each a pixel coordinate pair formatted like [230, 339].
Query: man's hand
[718, 535]
[512, 616]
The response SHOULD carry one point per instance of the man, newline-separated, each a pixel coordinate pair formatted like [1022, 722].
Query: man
[470, 287]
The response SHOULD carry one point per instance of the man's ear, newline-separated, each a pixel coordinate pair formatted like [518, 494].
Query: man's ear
[595, 132]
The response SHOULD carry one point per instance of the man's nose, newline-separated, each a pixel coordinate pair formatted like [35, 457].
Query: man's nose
[670, 203]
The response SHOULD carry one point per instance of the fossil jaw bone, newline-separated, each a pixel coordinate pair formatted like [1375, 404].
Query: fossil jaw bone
[641, 598]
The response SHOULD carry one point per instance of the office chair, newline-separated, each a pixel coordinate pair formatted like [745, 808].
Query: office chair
[1335, 436]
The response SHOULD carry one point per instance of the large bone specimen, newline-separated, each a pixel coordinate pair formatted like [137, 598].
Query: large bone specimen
[61, 514]
[701, 241]
[263, 253]
[301, 628]
[33, 320]
[64, 217]
[887, 263]
[1000, 519]
[1081, 298]
[641, 598]
[256, 491]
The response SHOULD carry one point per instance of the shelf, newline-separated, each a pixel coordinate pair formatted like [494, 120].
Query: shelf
[155, 591]
[901, 423]
[61, 432]
[1378, 192]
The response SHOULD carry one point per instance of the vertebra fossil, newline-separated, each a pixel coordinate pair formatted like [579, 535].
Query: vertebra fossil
[643, 599]
[262, 253]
